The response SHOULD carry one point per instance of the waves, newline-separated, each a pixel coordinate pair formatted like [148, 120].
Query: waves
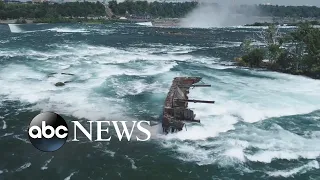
[231, 130]
[87, 94]
[299, 170]
[69, 177]
[4, 125]
[110, 29]
[45, 166]
[14, 28]
[68, 30]
[62, 29]
[145, 24]
[24, 166]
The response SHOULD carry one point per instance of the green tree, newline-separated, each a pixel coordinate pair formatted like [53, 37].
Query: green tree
[246, 46]
[254, 57]
[45, 10]
[1, 5]
[301, 57]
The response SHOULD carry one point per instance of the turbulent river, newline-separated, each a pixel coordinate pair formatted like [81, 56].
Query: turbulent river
[264, 125]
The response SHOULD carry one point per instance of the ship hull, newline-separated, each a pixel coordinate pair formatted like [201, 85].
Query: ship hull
[175, 111]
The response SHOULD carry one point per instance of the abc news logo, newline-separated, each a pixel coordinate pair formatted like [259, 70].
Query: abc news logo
[48, 131]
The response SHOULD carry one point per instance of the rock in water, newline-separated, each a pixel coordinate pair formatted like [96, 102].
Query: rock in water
[59, 84]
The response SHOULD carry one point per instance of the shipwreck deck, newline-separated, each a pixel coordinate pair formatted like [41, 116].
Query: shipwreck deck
[175, 110]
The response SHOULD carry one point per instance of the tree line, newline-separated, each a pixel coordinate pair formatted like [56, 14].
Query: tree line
[296, 52]
[154, 9]
[180, 9]
[289, 11]
[46, 10]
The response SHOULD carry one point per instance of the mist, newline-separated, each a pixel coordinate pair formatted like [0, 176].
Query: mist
[209, 15]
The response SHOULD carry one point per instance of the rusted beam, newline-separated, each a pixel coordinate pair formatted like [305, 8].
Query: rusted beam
[199, 85]
[195, 120]
[195, 101]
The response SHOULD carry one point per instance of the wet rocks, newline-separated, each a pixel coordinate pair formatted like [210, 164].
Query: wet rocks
[58, 84]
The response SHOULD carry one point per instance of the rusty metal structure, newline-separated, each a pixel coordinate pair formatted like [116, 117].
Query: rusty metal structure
[176, 111]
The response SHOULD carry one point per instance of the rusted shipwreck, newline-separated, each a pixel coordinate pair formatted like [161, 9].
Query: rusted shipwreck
[176, 111]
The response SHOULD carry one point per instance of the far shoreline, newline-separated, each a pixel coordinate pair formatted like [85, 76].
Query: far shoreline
[62, 20]
[156, 22]
[166, 22]
[289, 24]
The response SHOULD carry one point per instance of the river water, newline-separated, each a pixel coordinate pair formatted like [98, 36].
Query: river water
[264, 125]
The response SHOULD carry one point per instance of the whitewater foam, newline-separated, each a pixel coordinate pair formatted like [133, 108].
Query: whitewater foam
[248, 99]
[24, 166]
[111, 153]
[68, 30]
[135, 87]
[4, 125]
[299, 170]
[7, 134]
[149, 24]
[69, 177]
[133, 166]
[4, 41]
[243, 98]
[91, 66]
[41, 90]
[3, 171]
[45, 166]
[282, 144]
[21, 139]
[15, 28]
